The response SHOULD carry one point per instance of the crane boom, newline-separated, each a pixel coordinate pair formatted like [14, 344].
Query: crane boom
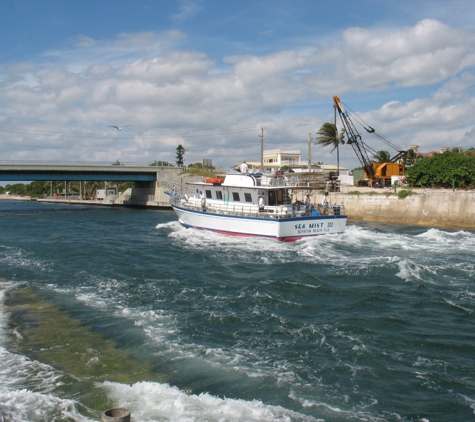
[379, 174]
[354, 138]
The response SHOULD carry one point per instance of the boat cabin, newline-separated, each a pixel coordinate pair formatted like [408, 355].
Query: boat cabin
[240, 193]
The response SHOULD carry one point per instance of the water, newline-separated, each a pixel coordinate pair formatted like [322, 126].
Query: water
[104, 308]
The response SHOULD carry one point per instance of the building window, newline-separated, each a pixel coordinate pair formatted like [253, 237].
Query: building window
[219, 195]
[208, 194]
[236, 197]
[248, 197]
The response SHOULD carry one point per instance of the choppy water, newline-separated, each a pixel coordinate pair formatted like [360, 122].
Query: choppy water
[102, 308]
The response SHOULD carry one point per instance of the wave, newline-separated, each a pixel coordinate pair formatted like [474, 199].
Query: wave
[156, 402]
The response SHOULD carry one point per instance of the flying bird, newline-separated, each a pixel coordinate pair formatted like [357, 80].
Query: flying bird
[119, 128]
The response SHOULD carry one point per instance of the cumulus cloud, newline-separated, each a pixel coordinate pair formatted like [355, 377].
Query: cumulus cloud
[175, 35]
[170, 95]
[187, 9]
[141, 39]
[375, 59]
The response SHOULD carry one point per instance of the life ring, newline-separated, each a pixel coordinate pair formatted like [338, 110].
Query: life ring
[213, 180]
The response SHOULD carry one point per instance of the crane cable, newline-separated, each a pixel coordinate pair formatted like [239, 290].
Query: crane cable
[373, 131]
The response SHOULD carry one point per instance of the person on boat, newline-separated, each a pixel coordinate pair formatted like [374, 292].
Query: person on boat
[308, 202]
[325, 203]
[244, 168]
[203, 203]
[174, 194]
[261, 203]
[325, 200]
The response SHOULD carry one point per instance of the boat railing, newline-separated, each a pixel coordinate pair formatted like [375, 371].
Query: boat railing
[250, 210]
[281, 181]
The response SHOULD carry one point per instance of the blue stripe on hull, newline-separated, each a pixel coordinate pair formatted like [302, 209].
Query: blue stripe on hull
[241, 234]
[313, 217]
[235, 234]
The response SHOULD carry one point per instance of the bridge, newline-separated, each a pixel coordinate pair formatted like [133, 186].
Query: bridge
[81, 171]
[150, 182]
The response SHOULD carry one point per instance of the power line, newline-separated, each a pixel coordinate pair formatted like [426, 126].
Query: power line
[107, 136]
[290, 135]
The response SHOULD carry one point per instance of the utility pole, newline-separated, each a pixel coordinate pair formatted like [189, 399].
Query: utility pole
[262, 149]
[309, 152]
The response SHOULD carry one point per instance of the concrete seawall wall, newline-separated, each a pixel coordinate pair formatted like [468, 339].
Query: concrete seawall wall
[432, 208]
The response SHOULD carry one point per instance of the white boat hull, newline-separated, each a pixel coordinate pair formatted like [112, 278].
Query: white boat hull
[284, 229]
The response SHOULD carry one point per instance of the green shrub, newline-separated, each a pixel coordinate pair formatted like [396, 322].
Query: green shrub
[441, 170]
[404, 193]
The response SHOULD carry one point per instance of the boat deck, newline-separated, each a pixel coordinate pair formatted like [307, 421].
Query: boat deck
[242, 210]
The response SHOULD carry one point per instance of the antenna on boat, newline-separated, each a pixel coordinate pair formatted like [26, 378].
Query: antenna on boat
[310, 152]
[262, 149]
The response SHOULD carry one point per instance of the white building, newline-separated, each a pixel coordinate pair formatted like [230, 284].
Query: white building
[276, 158]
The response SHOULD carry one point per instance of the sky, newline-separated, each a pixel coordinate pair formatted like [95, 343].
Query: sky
[209, 74]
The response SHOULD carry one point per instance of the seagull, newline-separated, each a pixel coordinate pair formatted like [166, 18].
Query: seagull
[119, 128]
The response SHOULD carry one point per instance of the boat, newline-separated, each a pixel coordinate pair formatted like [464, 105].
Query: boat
[230, 206]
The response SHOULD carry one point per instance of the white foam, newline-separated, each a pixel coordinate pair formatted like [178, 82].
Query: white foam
[456, 305]
[409, 270]
[470, 401]
[204, 239]
[19, 258]
[346, 414]
[172, 225]
[157, 402]
[18, 377]
[25, 405]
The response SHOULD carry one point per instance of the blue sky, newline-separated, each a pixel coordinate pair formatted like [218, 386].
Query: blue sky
[208, 74]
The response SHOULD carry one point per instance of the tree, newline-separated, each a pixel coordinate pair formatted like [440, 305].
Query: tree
[441, 170]
[328, 136]
[160, 164]
[180, 152]
[410, 158]
[123, 186]
[382, 156]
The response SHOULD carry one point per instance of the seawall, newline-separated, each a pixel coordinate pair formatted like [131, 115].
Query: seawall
[438, 208]
[430, 208]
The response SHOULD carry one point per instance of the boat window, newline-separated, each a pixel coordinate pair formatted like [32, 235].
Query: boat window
[208, 194]
[219, 194]
[236, 196]
[272, 198]
[248, 197]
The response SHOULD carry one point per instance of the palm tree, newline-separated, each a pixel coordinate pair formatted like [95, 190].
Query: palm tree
[382, 156]
[328, 136]
[410, 158]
